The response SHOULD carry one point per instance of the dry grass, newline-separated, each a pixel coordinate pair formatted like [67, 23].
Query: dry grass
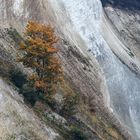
[113, 133]
[99, 125]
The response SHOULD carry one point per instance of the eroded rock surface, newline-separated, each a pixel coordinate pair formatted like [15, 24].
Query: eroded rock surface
[97, 63]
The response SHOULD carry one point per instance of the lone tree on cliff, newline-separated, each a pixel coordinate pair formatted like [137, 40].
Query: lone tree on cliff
[39, 54]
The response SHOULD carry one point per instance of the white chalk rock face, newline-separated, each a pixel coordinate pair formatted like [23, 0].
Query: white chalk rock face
[86, 17]
[18, 7]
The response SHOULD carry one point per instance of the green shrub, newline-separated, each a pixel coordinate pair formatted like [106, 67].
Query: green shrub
[18, 78]
[69, 105]
[77, 134]
[30, 94]
[14, 35]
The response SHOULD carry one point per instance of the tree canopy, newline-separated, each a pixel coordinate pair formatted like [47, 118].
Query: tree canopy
[40, 54]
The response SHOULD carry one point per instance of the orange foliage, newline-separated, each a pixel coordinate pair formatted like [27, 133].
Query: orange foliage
[39, 54]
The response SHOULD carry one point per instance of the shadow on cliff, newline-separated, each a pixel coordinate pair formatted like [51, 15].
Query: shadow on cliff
[132, 5]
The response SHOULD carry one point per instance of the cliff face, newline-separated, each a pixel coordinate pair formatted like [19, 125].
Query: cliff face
[114, 43]
[125, 22]
[82, 72]
[131, 4]
[98, 64]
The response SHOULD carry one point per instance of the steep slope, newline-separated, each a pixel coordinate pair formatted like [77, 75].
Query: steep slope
[132, 4]
[125, 21]
[97, 43]
[17, 121]
[81, 41]
[119, 62]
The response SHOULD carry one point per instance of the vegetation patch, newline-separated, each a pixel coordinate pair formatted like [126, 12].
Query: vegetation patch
[77, 134]
[113, 133]
[70, 103]
[17, 78]
[15, 35]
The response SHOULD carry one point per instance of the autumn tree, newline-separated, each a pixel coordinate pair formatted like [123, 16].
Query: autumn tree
[40, 54]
